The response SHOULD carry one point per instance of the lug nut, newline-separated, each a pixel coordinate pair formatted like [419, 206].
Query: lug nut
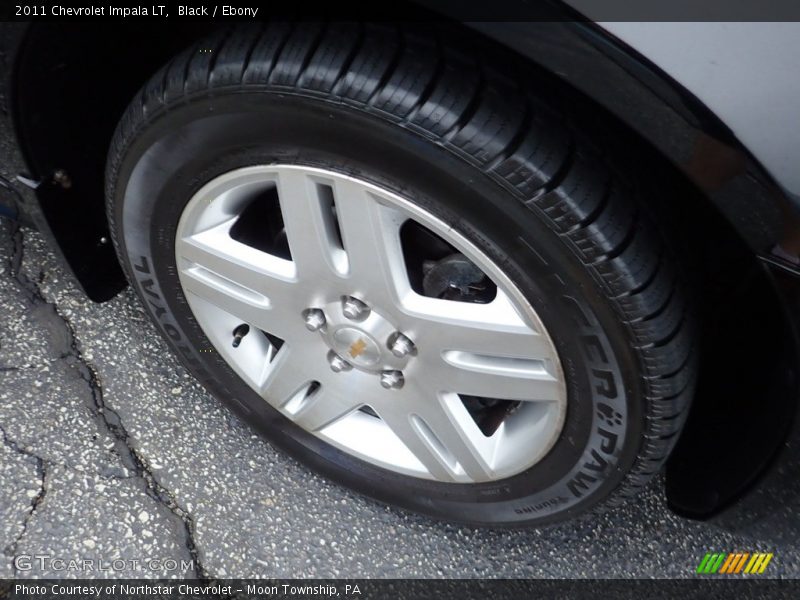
[354, 308]
[401, 346]
[315, 319]
[392, 380]
[338, 364]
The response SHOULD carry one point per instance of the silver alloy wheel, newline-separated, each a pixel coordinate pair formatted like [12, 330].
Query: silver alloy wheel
[355, 335]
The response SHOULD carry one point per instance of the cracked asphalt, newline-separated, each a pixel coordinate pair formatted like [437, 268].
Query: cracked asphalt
[111, 450]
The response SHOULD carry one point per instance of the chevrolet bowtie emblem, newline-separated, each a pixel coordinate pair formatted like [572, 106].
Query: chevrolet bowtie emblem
[357, 348]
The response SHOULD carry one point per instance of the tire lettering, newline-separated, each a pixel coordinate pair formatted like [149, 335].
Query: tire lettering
[157, 306]
[159, 310]
[580, 484]
[143, 267]
[598, 459]
[593, 342]
[608, 386]
[599, 463]
[172, 332]
[609, 443]
[147, 286]
[532, 508]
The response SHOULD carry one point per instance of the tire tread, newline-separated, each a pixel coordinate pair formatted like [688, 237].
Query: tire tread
[421, 82]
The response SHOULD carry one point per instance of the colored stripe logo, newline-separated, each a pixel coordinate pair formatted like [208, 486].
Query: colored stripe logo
[734, 563]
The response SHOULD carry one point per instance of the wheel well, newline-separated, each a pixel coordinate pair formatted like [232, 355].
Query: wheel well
[746, 393]
[748, 353]
[73, 83]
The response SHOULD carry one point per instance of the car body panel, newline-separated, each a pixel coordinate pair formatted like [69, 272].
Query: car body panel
[748, 74]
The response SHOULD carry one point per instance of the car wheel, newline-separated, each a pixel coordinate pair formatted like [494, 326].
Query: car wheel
[404, 269]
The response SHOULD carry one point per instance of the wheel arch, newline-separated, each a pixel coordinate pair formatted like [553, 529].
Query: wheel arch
[66, 100]
[733, 215]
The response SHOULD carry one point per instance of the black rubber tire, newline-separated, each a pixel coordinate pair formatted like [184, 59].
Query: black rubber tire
[460, 130]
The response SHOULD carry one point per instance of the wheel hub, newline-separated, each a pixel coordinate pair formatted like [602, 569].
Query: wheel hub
[357, 346]
[364, 341]
[363, 333]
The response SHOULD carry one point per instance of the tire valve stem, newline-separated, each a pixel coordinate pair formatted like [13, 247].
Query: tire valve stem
[238, 333]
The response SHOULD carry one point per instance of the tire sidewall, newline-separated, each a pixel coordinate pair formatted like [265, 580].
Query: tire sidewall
[178, 151]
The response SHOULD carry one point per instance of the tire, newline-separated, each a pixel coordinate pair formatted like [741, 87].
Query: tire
[419, 115]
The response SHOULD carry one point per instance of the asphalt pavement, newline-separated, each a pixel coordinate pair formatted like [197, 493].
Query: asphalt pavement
[111, 450]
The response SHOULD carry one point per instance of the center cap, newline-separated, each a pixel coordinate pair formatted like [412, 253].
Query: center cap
[364, 341]
[356, 346]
